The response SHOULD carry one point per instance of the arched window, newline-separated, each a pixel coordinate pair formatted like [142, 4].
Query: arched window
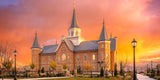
[77, 58]
[36, 60]
[72, 33]
[49, 59]
[76, 33]
[102, 45]
[93, 57]
[58, 58]
[43, 60]
[63, 57]
[85, 58]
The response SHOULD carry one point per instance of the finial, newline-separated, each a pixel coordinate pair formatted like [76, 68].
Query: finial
[74, 4]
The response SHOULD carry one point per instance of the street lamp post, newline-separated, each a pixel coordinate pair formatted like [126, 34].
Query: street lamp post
[15, 53]
[134, 70]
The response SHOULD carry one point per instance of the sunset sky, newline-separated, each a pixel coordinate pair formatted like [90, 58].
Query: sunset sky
[125, 19]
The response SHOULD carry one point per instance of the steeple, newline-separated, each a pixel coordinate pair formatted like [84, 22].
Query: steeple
[35, 43]
[103, 35]
[74, 23]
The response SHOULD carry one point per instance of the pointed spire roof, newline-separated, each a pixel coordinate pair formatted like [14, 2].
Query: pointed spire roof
[36, 43]
[74, 23]
[103, 35]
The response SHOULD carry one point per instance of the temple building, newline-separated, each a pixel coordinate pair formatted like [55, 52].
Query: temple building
[75, 52]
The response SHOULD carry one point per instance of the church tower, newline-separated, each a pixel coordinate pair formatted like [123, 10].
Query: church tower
[36, 49]
[104, 48]
[74, 32]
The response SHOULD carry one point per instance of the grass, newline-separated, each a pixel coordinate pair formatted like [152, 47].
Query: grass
[73, 78]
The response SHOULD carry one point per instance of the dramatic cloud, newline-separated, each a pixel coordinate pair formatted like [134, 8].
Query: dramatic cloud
[126, 19]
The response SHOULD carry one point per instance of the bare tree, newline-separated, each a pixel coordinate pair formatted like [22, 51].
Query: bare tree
[6, 51]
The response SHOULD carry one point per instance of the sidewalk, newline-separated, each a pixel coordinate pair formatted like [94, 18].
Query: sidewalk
[37, 78]
[143, 77]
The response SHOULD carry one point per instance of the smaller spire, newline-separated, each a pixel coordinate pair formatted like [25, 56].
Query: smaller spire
[103, 35]
[36, 43]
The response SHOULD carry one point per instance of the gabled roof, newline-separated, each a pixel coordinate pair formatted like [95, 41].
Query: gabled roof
[103, 35]
[36, 43]
[49, 49]
[69, 44]
[74, 23]
[87, 45]
[84, 46]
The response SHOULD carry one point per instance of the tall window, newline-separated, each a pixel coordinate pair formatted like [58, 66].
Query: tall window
[77, 33]
[72, 33]
[106, 55]
[93, 67]
[106, 45]
[102, 45]
[59, 68]
[93, 57]
[63, 57]
[77, 58]
[36, 60]
[49, 59]
[43, 60]
[54, 58]
[85, 58]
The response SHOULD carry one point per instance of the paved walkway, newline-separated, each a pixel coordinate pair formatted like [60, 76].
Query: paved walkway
[37, 78]
[143, 77]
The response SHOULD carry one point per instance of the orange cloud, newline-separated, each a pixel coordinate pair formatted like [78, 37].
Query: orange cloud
[126, 19]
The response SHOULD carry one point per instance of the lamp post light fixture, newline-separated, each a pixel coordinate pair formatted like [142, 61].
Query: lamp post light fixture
[15, 53]
[134, 42]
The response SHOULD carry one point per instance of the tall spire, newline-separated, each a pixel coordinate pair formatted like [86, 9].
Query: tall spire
[36, 43]
[74, 23]
[103, 35]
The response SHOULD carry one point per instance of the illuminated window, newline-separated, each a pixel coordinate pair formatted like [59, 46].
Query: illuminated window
[106, 45]
[93, 67]
[63, 57]
[102, 45]
[77, 33]
[93, 57]
[85, 58]
[106, 55]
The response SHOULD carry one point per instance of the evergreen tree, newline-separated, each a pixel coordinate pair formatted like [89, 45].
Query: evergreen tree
[102, 72]
[42, 70]
[115, 69]
[157, 70]
[121, 69]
